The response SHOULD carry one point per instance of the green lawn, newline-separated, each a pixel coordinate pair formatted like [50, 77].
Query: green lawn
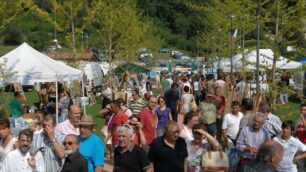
[32, 97]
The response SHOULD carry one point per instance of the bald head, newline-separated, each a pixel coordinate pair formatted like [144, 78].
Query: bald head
[74, 114]
[271, 152]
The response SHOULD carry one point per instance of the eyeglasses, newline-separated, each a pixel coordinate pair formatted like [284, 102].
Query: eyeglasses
[161, 101]
[153, 102]
[69, 143]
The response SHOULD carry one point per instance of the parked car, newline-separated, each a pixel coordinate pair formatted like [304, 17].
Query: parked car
[176, 54]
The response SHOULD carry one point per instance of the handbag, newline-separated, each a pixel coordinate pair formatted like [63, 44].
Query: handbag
[234, 156]
[215, 161]
[194, 106]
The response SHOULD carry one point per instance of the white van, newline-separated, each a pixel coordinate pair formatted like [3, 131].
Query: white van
[94, 74]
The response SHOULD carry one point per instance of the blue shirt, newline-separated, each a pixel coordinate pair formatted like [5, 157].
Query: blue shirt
[92, 148]
[249, 137]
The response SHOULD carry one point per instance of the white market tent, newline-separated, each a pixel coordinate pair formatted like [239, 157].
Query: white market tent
[28, 66]
[265, 59]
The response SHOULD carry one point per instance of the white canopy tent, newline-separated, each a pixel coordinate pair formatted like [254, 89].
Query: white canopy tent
[265, 59]
[28, 66]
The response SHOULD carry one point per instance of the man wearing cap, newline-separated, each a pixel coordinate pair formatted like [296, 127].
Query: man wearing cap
[69, 125]
[91, 146]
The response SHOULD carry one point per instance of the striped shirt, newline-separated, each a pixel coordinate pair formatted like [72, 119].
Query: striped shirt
[52, 161]
[273, 124]
[136, 106]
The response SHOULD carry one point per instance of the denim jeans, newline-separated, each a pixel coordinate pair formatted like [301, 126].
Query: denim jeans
[283, 98]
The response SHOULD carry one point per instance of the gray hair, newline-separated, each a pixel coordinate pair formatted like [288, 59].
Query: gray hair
[268, 149]
[264, 108]
[127, 128]
[77, 141]
[259, 115]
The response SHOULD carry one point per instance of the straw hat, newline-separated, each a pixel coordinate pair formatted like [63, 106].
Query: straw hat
[86, 120]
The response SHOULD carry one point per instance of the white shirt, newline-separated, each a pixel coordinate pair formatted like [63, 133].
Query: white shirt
[196, 85]
[231, 124]
[8, 148]
[186, 134]
[291, 147]
[15, 161]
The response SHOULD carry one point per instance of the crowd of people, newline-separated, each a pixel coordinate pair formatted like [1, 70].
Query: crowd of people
[169, 131]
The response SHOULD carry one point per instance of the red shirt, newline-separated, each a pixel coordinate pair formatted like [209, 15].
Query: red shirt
[300, 131]
[148, 120]
[117, 120]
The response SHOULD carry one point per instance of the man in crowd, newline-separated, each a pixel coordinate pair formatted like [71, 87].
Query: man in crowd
[300, 133]
[137, 103]
[291, 146]
[91, 146]
[272, 123]
[219, 101]
[230, 125]
[269, 155]
[208, 115]
[74, 161]
[119, 118]
[16, 107]
[169, 152]
[148, 119]
[129, 157]
[52, 143]
[247, 111]
[251, 137]
[23, 160]
[172, 98]
[69, 125]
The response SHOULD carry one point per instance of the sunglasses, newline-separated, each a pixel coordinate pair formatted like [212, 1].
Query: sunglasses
[69, 143]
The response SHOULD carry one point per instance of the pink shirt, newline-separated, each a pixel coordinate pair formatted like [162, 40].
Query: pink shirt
[66, 128]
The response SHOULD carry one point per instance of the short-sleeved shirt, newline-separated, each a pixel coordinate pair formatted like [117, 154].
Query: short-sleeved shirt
[208, 113]
[300, 131]
[163, 116]
[92, 149]
[136, 106]
[134, 159]
[66, 128]
[75, 163]
[195, 154]
[16, 108]
[291, 147]
[148, 119]
[273, 124]
[246, 120]
[231, 123]
[117, 120]
[167, 159]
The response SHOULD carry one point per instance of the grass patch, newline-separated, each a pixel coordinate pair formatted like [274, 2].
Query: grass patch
[32, 97]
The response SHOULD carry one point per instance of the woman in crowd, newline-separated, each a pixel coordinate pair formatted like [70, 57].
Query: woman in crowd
[139, 138]
[8, 142]
[124, 108]
[186, 99]
[63, 105]
[196, 148]
[191, 118]
[163, 114]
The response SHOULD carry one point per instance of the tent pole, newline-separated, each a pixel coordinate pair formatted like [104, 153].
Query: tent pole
[84, 106]
[56, 101]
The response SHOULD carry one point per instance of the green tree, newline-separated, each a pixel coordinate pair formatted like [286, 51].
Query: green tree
[122, 28]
